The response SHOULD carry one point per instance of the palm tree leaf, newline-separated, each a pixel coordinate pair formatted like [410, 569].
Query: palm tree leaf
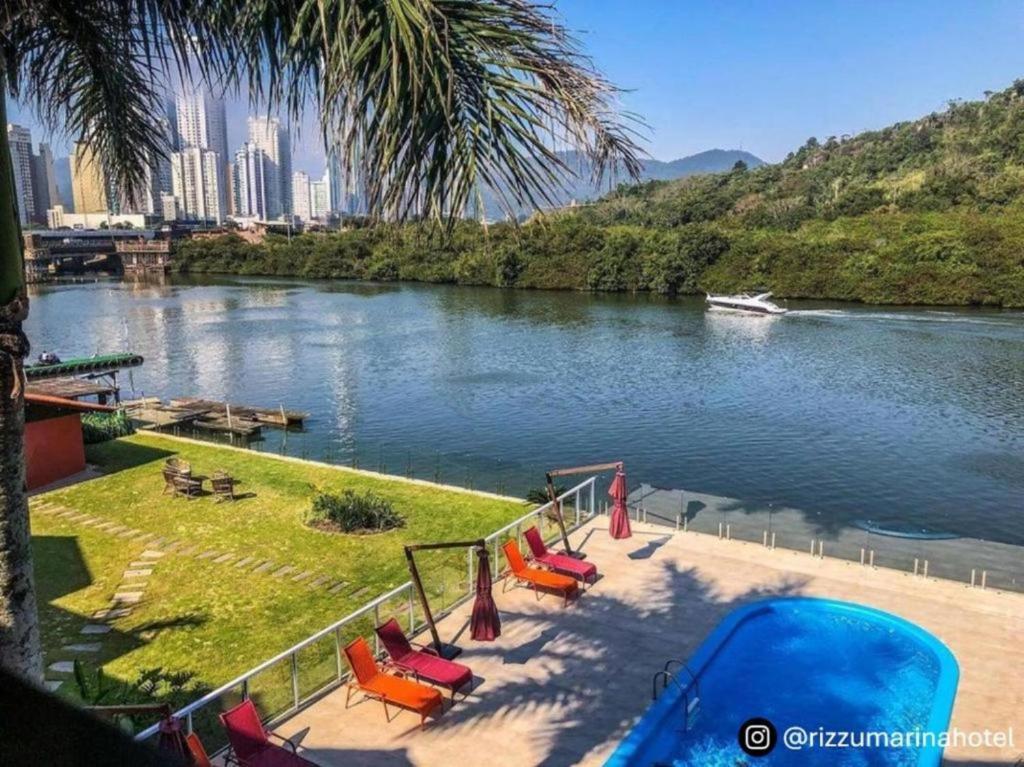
[427, 101]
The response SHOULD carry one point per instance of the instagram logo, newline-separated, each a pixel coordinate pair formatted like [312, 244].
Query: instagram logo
[757, 737]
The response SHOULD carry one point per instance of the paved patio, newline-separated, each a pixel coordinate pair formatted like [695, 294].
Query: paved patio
[563, 685]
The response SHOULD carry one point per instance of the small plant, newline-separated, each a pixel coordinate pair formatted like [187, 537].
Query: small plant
[96, 688]
[538, 496]
[100, 427]
[353, 512]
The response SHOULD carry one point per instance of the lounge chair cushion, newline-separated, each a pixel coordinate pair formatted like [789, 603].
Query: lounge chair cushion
[436, 670]
[559, 562]
[543, 578]
[426, 665]
[402, 692]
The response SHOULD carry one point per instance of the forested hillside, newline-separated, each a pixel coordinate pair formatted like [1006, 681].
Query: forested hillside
[929, 211]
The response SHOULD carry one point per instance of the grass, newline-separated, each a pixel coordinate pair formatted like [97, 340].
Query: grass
[216, 620]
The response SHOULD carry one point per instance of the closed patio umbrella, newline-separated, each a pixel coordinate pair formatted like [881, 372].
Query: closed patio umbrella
[171, 740]
[485, 624]
[619, 523]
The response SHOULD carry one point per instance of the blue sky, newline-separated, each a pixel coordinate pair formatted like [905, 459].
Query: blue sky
[763, 76]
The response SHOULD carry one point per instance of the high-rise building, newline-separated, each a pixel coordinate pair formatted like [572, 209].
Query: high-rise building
[347, 194]
[268, 134]
[320, 199]
[44, 183]
[302, 202]
[20, 140]
[196, 182]
[202, 122]
[88, 181]
[250, 182]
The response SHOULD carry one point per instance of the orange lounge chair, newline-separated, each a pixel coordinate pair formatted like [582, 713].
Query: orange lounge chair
[537, 578]
[397, 691]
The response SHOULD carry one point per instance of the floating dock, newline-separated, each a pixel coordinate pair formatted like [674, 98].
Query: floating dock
[211, 416]
[279, 417]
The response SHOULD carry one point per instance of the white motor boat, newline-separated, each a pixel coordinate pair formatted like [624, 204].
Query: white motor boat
[749, 303]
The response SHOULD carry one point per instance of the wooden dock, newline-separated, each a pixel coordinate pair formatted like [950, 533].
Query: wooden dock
[279, 417]
[210, 416]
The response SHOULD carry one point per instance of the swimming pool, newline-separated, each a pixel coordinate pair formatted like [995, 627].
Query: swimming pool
[815, 664]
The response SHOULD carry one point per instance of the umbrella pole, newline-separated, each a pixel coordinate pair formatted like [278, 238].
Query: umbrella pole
[557, 506]
[418, 584]
[447, 651]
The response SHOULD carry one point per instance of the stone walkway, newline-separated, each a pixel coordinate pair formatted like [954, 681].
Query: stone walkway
[184, 548]
[131, 591]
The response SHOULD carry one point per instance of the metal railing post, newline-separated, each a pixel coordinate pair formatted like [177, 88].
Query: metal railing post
[245, 689]
[593, 502]
[469, 570]
[376, 622]
[337, 653]
[412, 614]
[295, 679]
[577, 508]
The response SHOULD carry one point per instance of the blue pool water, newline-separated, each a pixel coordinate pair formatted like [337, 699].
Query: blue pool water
[815, 664]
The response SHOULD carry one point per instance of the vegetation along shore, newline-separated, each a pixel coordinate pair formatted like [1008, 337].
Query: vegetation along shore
[923, 212]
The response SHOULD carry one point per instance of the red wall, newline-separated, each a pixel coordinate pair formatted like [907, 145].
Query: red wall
[53, 449]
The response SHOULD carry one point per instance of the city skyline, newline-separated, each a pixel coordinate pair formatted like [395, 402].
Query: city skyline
[706, 75]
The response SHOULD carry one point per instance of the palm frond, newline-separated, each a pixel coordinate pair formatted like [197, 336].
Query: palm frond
[427, 101]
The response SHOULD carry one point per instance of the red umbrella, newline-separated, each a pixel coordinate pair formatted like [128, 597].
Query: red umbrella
[619, 524]
[171, 740]
[485, 625]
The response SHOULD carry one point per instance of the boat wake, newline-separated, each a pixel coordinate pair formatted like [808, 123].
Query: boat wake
[1011, 320]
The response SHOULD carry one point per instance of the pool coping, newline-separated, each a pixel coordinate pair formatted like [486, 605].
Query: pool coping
[943, 697]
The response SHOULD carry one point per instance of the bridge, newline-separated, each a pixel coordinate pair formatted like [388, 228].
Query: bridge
[52, 253]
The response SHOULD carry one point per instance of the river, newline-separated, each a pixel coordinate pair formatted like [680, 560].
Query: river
[905, 416]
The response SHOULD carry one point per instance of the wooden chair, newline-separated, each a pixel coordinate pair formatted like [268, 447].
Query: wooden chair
[223, 486]
[178, 479]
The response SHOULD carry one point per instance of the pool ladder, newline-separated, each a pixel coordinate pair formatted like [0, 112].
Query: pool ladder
[666, 676]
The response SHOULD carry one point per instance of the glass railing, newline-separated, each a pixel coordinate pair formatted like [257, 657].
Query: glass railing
[925, 553]
[284, 684]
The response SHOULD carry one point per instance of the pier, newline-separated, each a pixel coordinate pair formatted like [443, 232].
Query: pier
[244, 421]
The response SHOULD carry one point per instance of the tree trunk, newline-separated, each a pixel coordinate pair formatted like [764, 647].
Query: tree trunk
[19, 621]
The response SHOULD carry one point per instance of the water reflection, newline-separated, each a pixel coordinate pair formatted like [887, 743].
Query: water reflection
[847, 412]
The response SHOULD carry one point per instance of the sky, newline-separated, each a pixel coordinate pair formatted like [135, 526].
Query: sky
[764, 75]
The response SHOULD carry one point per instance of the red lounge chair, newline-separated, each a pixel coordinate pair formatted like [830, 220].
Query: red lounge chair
[389, 689]
[560, 563]
[534, 576]
[195, 748]
[250, 743]
[422, 662]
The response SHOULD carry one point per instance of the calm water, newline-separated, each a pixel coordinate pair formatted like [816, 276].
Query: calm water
[903, 416]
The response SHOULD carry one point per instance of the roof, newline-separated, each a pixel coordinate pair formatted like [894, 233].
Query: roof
[70, 388]
[96, 364]
[47, 400]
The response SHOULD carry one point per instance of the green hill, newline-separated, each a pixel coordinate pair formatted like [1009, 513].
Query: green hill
[923, 212]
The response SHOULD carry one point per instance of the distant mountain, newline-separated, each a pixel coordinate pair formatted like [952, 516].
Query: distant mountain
[710, 161]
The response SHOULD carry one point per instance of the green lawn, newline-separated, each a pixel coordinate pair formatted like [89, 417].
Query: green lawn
[216, 620]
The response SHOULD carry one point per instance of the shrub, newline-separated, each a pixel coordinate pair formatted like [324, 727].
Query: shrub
[100, 427]
[353, 512]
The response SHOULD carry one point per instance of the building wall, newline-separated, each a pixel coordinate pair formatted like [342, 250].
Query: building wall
[53, 449]
[88, 184]
[302, 202]
[20, 140]
[269, 135]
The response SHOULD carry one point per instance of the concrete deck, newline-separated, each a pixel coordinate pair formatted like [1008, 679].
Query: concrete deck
[563, 685]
